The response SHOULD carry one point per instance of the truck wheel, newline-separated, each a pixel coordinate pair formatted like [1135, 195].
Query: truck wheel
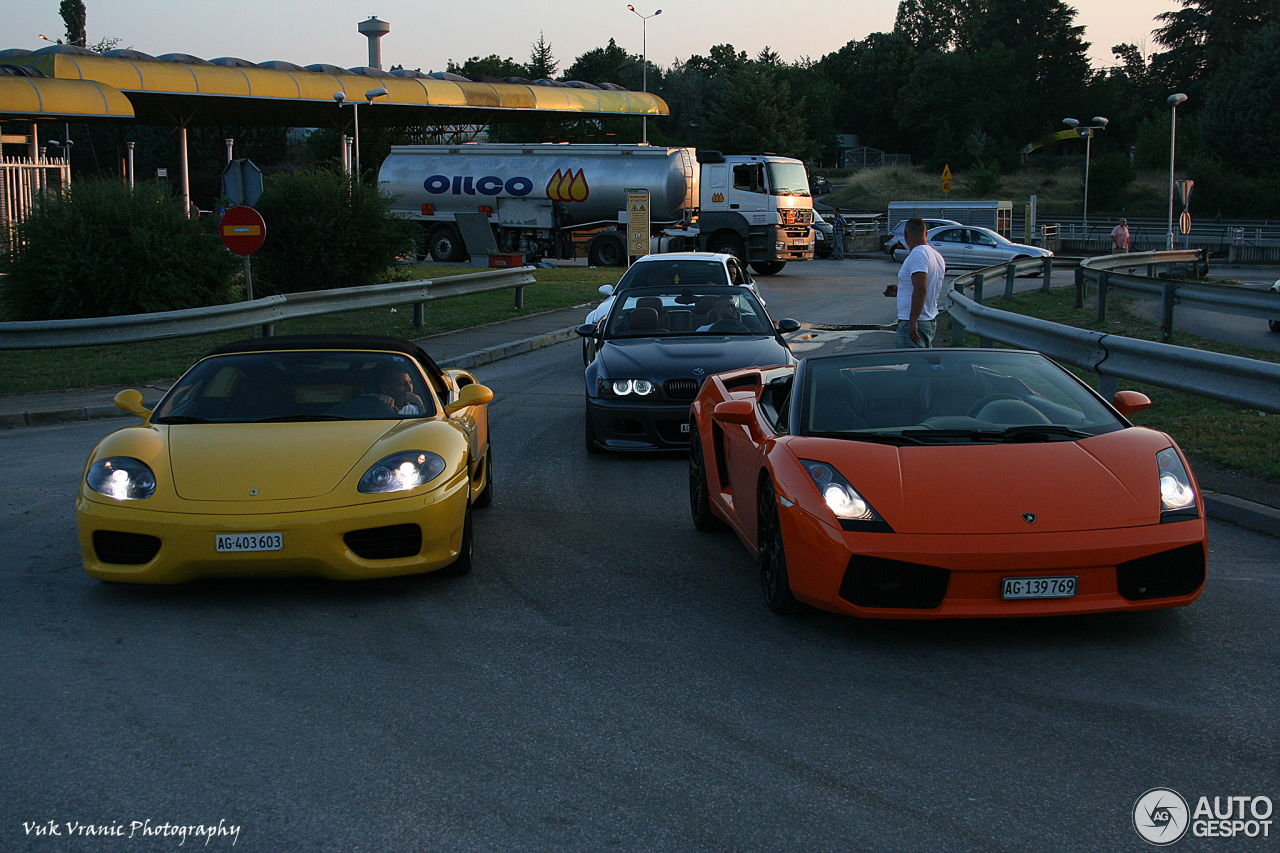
[445, 245]
[606, 252]
[728, 244]
[768, 267]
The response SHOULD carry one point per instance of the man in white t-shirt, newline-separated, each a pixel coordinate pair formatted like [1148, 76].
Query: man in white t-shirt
[919, 282]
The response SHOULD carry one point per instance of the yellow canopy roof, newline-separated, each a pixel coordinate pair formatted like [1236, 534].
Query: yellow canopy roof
[40, 97]
[237, 92]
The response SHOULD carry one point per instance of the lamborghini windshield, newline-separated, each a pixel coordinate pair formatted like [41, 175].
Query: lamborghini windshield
[704, 311]
[947, 396]
[290, 386]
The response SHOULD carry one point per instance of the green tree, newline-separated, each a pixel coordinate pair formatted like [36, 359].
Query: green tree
[488, 66]
[756, 111]
[326, 232]
[101, 249]
[1244, 96]
[722, 61]
[608, 64]
[74, 17]
[1204, 33]
[542, 63]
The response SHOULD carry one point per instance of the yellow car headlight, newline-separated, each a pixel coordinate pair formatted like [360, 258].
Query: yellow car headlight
[401, 472]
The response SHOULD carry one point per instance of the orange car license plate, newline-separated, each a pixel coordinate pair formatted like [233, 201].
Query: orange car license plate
[1064, 587]
[249, 542]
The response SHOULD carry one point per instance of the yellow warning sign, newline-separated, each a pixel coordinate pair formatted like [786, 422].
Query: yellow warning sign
[946, 178]
[637, 222]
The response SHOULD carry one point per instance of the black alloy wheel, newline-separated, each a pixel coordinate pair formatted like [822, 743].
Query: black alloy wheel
[773, 556]
[462, 565]
[699, 490]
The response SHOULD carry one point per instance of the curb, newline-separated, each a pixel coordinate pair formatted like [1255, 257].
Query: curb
[498, 353]
[1243, 513]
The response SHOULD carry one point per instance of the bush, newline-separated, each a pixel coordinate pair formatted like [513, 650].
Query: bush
[325, 232]
[1110, 177]
[102, 250]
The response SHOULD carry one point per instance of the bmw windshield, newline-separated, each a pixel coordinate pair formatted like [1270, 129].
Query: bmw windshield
[703, 311]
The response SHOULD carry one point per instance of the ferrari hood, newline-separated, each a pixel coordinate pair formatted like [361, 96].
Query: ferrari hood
[1105, 482]
[263, 462]
[667, 358]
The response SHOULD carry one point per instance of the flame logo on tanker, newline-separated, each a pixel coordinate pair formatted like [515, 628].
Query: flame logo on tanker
[566, 186]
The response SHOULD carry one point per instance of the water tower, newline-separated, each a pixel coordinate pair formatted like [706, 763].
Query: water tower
[374, 29]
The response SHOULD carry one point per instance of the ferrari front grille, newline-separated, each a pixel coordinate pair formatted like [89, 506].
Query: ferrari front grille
[681, 389]
[877, 582]
[385, 543]
[1179, 571]
[125, 549]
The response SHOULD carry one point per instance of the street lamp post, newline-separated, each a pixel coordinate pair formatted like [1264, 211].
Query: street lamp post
[1174, 101]
[341, 98]
[644, 65]
[1099, 123]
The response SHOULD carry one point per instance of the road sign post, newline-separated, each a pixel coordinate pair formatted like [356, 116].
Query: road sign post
[243, 231]
[637, 223]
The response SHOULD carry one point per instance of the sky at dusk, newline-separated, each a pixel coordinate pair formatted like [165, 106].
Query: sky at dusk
[426, 34]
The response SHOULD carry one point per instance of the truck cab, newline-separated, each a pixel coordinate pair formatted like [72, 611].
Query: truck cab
[757, 207]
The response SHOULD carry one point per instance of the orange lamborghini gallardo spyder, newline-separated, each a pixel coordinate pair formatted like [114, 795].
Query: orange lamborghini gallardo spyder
[937, 483]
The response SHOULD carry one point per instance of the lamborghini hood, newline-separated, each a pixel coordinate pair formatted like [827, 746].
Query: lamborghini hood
[236, 462]
[1105, 482]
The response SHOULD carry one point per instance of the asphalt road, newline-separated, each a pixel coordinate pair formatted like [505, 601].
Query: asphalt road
[606, 678]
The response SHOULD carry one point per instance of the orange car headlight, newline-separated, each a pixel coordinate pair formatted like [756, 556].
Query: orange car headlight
[1177, 497]
[841, 498]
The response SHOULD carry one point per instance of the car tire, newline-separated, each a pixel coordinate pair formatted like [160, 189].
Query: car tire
[606, 252]
[590, 435]
[728, 244]
[768, 267]
[445, 245]
[462, 565]
[772, 556]
[699, 489]
[485, 498]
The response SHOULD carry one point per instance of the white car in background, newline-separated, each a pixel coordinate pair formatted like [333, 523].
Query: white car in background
[693, 268]
[976, 248]
[896, 240]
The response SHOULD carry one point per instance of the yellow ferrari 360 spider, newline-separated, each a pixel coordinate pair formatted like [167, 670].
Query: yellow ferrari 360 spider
[343, 456]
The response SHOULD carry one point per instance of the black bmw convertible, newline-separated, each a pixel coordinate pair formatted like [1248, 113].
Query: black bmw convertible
[650, 355]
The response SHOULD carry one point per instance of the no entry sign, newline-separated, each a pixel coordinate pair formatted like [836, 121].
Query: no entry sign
[243, 230]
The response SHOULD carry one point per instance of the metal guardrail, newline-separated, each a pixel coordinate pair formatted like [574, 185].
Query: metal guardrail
[134, 328]
[1231, 379]
[1102, 273]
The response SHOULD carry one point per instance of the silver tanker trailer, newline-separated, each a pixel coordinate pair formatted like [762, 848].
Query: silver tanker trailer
[565, 201]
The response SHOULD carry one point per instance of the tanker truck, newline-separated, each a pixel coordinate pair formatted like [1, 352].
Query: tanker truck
[556, 200]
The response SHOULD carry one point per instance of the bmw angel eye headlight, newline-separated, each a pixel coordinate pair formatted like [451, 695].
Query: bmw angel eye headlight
[401, 472]
[122, 477]
[623, 387]
[841, 498]
[1177, 496]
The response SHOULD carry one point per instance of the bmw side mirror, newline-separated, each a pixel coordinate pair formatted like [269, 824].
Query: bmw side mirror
[586, 330]
[787, 326]
[606, 290]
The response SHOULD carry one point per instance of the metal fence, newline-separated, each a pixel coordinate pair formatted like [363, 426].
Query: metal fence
[1231, 379]
[133, 328]
[21, 183]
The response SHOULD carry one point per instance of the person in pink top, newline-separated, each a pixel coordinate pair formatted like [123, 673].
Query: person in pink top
[1120, 238]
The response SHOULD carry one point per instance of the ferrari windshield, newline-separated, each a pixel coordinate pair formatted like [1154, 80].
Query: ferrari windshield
[303, 385]
[943, 396]
[673, 273]
[654, 312]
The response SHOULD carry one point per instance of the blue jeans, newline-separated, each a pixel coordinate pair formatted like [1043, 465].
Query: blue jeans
[925, 328]
[837, 240]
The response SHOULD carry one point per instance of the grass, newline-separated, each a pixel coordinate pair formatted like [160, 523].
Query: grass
[1209, 432]
[23, 371]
